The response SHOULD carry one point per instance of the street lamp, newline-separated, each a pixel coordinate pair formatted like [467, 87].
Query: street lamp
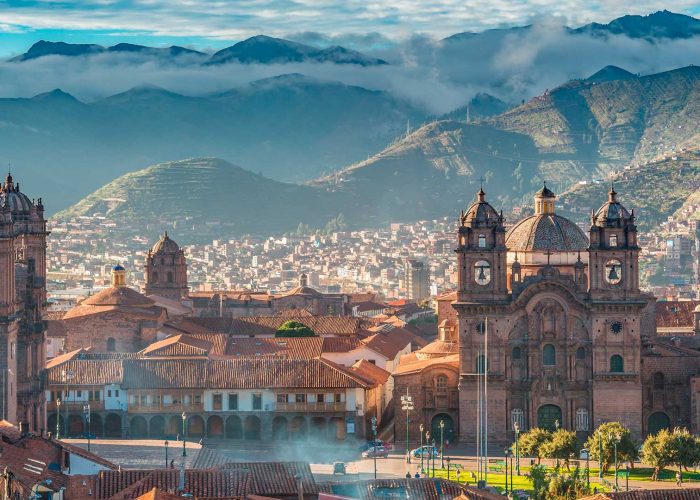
[442, 444]
[166, 453]
[86, 411]
[184, 436]
[615, 439]
[516, 427]
[506, 452]
[421, 427]
[58, 418]
[448, 467]
[67, 375]
[427, 443]
[588, 470]
[374, 444]
[600, 454]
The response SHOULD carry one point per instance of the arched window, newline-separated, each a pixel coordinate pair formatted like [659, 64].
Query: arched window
[582, 419]
[480, 363]
[441, 384]
[580, 353]
[517, 417]
[658, 381]
[549, 355]
[517, 353]
[482, 241]
[154, 277]
[111, 344]
[616, 364]
[170, 277]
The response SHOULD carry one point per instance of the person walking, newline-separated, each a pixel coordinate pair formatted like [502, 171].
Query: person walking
[679, 480]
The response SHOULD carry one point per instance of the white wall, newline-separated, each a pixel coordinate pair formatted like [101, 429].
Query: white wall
[351, 357]
[115, 402]
[81, 465]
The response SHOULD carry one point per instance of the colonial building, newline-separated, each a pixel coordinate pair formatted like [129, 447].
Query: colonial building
[563, 314]
[22, 299]
[166, 270]
[117, 319]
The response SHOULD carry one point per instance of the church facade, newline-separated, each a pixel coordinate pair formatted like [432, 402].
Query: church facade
[563, 314]
[22, 299]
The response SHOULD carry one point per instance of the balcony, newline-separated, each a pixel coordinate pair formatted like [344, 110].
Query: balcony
[309, 407]
[75, 407]
[161, 408]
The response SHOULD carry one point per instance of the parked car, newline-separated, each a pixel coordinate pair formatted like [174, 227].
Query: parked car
[426, 451]
[377, 443]
[376, 452]
[339, 468]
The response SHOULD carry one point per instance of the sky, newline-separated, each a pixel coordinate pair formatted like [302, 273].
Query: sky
[213, 24]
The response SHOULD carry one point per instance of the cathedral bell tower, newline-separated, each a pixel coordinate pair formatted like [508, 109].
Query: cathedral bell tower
[613, 251]
[481, 253]
[166, 270]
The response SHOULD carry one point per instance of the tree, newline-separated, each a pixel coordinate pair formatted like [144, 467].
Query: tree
[561, 446]
[532, 442]
[294, 329]
[540, 480]
[606, 435]
[679, 448]
[569, 487]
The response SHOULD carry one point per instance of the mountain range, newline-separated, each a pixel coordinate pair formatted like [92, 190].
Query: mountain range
[259, 49]
[290, 128]
[582, 130]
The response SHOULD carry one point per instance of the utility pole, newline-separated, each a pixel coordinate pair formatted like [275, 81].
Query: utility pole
[86, 411]
[407, 406]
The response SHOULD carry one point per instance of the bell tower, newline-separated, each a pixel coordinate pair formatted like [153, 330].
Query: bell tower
[481, 253]
[166, 270]
[613, 251]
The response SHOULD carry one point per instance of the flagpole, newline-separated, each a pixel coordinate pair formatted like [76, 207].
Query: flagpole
[486, 401]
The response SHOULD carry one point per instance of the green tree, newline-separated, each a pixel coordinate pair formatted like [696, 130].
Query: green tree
[606, 435]
[562, 445]
[532, 442]
[568, 487]
[294, 329]
[540, 481]
[665, 448]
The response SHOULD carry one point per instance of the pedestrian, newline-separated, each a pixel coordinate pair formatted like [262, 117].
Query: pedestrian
[417, 476]
[172, 464]
[408, 475]
[679, 480]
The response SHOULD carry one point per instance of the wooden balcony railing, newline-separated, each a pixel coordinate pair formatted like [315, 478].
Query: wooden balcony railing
[75, 407]
[309, 407]
[161, 408]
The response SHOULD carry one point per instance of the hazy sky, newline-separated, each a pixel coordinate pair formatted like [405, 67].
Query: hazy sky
[216, 23]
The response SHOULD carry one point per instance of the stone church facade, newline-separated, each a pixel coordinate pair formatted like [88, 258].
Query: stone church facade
[22, 299]
[563, 314]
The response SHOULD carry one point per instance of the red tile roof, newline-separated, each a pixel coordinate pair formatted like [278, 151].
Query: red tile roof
[277, 478]
[268, 325]
[674, 313]
[179, 345]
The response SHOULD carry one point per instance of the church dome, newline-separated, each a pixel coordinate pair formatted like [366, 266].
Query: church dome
[480, 212]
[165, 245]
[12, 197]
[612, 213]
[546, 230]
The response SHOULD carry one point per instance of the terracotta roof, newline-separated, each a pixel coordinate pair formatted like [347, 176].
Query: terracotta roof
[300, 290]
[369, 306]
[276, 478]
[303, 347]
[156, 494]
[211, 483]
[423, 488]
[390, 343]
[179, 345]
[268, 325]
[373, 374]
[86, 372]
[63, 358]
[450, 296]
[674, 313]
[340, 344]
[236, 373]
[118, 296]
[293, 313]
[272, 372]
[421, 364]
[440, 347]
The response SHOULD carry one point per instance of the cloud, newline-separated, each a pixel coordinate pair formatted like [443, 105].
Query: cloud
[236, 19]
[437, 75]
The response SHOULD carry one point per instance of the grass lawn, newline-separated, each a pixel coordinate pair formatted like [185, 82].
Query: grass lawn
[521, 482]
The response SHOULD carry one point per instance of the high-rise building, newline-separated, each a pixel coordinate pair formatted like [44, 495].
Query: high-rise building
[22, 298]
[417, 278]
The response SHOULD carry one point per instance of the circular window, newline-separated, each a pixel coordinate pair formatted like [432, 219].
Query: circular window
[480, 327]
[613, 271]
[616, 327]
[482, 272]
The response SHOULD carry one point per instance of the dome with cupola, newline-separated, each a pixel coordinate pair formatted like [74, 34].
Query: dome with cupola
[165, 245]
[11, 197]
[612, 213]
[480, 213]
[546, 231]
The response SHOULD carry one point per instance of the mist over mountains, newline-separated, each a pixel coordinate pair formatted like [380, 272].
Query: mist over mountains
[296, 111]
